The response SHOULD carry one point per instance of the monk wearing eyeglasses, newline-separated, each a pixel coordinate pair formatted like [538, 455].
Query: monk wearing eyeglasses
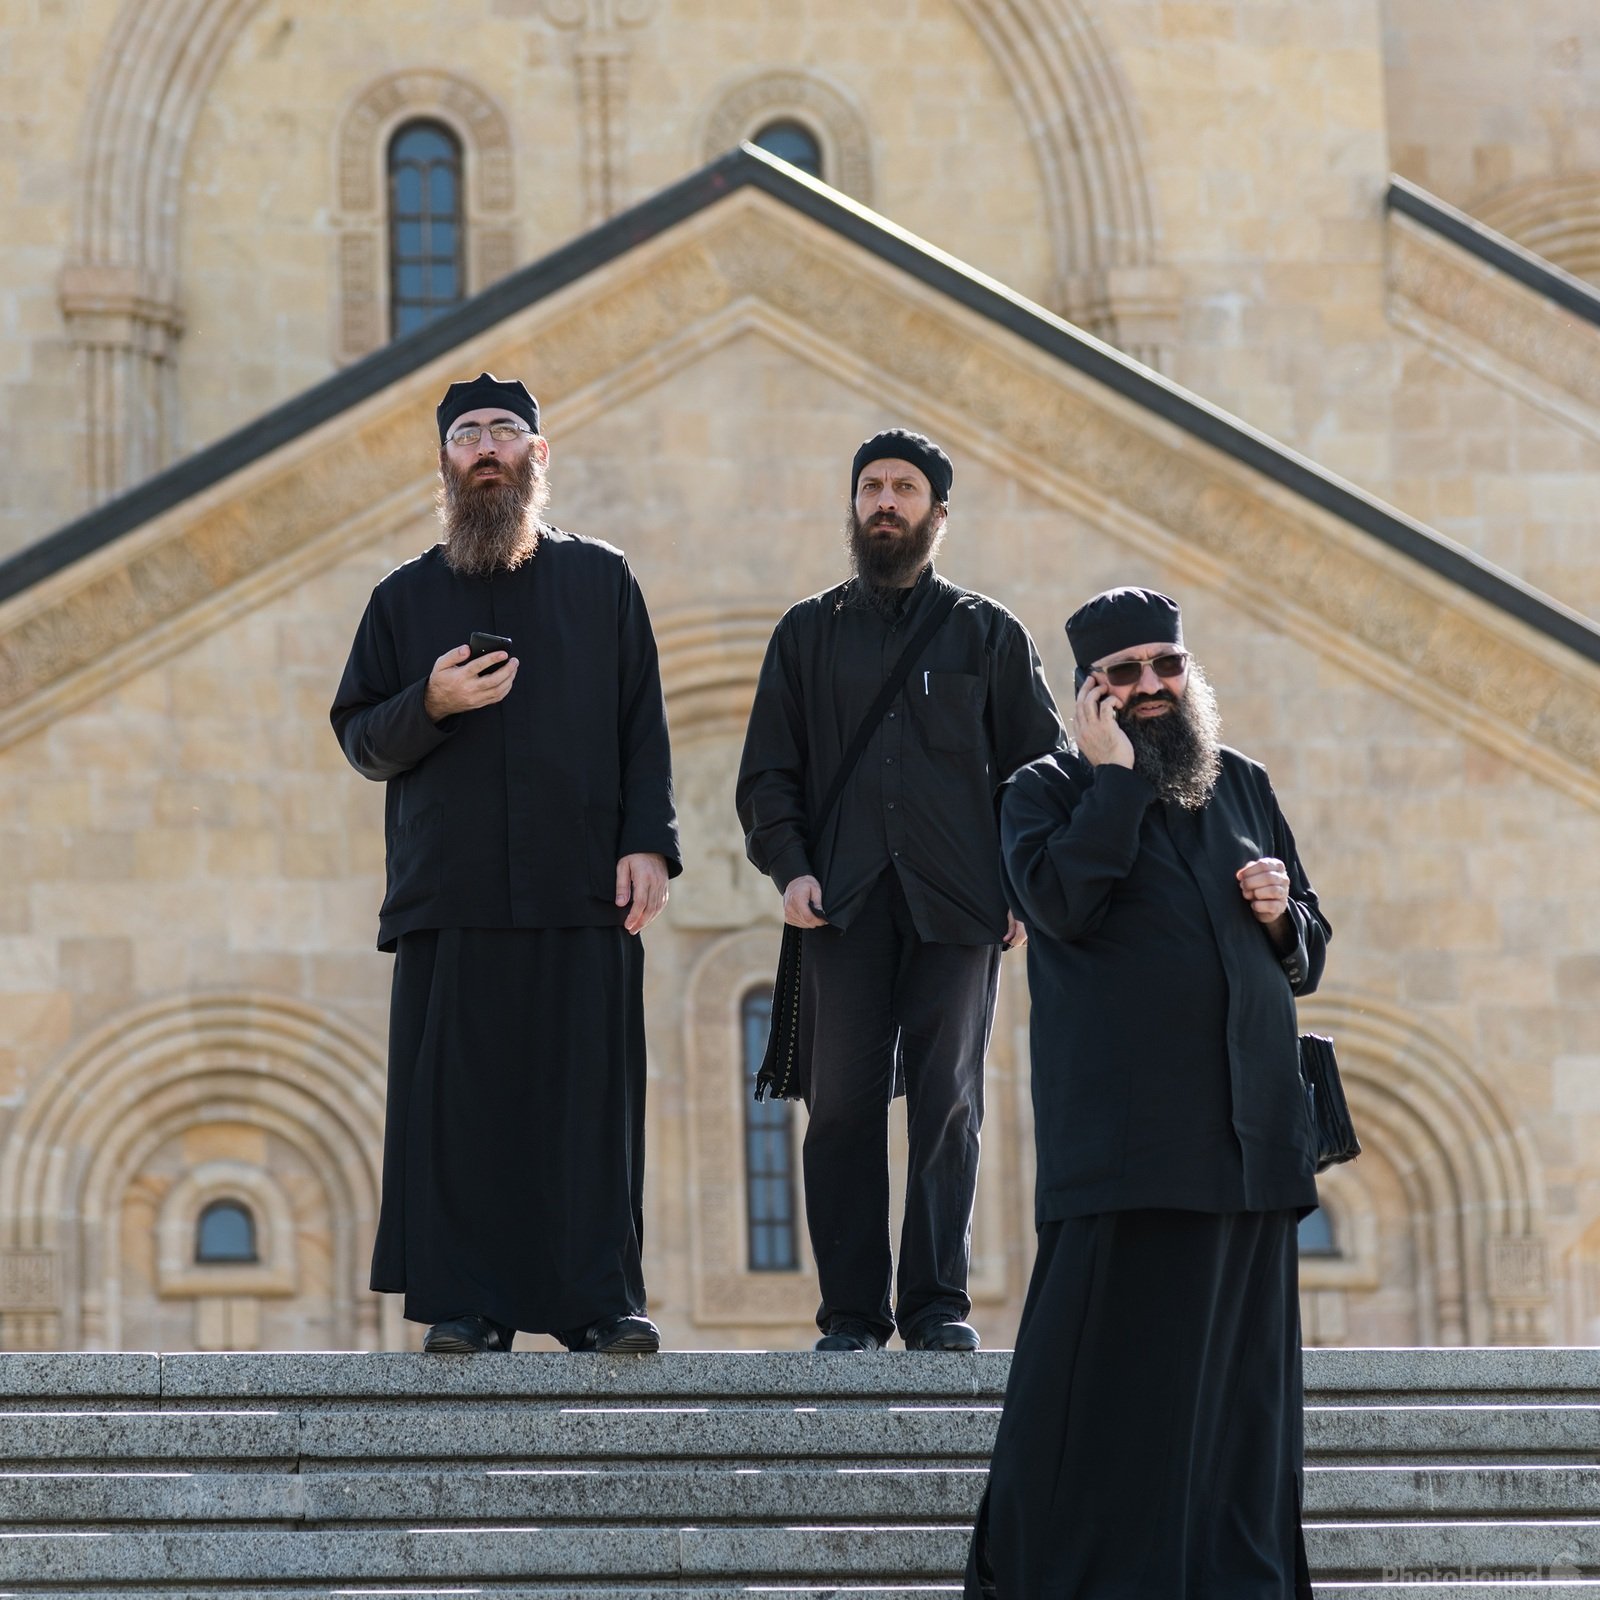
[504, 687]
[1150, 1446]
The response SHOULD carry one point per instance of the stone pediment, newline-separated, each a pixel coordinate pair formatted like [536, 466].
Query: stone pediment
[748, 243]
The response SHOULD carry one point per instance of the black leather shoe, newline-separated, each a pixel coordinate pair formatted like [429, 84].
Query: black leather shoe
[626, 1335]
[847, 1334]
[943, 1336]
[465, 1336]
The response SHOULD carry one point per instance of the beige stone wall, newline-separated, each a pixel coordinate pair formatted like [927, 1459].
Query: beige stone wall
[192, 835]
[1484, 96]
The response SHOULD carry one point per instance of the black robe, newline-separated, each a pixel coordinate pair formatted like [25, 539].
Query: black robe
[514, 1144]
[1150, 1444]
[1165, 1064]
[515, 815]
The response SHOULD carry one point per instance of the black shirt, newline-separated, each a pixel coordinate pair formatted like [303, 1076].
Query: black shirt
[514, 815]
[1165, 1062]
[974, 709]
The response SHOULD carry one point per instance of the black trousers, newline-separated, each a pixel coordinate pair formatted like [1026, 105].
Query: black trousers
[513, 1156]
[865, 992]
[1151, 1442]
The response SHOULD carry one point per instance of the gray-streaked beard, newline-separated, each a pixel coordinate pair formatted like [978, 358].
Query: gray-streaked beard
[1178, 754]
[490, 527]
[883, 565]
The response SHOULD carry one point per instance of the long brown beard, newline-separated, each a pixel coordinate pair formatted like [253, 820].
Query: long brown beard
[490, 526]
[881, 562]
[1178, 753]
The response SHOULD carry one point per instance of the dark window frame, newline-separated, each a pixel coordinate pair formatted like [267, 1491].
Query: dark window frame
[772, 1236]
[231, 1204]
[787, 122]
[396, 162]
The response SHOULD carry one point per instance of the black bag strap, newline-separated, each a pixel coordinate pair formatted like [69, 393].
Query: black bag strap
[892, 685]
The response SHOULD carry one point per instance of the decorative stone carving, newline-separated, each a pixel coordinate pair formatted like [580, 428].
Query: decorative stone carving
[361, 319]
[1556, 215]
[751, 102]
[1473, 316]
[30, 1280]
[600, 61]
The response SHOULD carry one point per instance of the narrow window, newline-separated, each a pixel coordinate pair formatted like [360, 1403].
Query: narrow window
[226, 1232]
[793, 142]
[1316, 1235]
[427, 268]
[768, 1153]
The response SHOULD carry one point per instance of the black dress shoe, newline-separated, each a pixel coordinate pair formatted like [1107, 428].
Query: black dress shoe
[465, 1336]
[849, 1335]
[626, 1335]
[943, 1336]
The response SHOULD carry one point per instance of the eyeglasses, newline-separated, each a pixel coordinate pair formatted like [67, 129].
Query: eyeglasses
[500, 432]
[1120, 674]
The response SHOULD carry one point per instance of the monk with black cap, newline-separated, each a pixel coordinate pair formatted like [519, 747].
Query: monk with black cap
[504, 687]
[1150, 1446]
[895, 887]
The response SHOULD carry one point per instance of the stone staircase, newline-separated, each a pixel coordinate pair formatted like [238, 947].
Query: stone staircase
[1431, 1475]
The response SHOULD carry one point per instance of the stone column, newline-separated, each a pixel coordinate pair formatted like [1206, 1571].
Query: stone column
[600, 60]
[123, 328]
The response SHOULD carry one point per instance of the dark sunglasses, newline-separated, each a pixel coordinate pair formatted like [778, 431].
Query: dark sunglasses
[1122, 673]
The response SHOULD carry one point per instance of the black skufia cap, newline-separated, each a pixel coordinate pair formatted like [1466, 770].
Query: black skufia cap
[898, 444]
[487, 390]
[1120, 618]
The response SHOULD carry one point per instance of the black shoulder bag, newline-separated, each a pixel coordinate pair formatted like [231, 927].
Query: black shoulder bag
[785, 1072]
[1332, 1132]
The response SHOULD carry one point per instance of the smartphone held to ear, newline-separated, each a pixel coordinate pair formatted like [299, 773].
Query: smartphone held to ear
[482, 644]
[1079, 678]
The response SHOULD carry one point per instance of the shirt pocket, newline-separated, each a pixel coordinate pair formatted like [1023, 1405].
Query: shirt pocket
[950, 709]
[415, 860]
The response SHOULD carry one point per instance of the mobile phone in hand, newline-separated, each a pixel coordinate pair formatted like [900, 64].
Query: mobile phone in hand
[481, 644]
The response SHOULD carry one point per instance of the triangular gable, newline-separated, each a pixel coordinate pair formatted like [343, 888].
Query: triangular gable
[749, 237]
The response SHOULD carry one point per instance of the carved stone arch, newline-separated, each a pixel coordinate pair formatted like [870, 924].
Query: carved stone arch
[362, 142]
[287, 1067]
[1557, 217]
[750, 102]
[1102, 216]
[1471, 1175]
[119, 288]
[710, 659]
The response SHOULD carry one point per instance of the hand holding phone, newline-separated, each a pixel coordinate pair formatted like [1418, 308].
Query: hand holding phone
[457, 683]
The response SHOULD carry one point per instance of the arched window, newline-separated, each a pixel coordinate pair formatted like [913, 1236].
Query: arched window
[793, 142]
[427, 263]
[768, 1153]
[226, 1232]
[1317, 1236]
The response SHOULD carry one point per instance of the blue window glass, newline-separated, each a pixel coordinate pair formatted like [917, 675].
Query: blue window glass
[225, 1232]
[1316, 1235]
[426, 269]
[792, 142]
[768, 1153]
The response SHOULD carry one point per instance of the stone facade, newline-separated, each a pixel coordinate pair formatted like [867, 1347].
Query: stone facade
[191, 1003]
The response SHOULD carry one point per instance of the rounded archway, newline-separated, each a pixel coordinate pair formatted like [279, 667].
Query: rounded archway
[214, 1077]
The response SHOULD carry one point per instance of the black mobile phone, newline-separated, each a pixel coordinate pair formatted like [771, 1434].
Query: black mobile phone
[482, 643]
[1079, 678]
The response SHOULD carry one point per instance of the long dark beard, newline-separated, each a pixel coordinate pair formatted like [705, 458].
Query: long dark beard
[1178, 753]
[490, 526]
[884, 563]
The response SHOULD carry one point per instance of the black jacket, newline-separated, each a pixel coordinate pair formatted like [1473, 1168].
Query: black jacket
[921, 797]
[515, 815]
[1165, 1065]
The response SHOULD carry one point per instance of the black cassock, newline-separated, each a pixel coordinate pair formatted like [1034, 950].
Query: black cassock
[514, 1142]
[1150, 1447]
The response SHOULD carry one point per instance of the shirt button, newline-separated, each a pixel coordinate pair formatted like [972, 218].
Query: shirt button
[891, 805]
[897, 852]
[891, 716]
[888, 761]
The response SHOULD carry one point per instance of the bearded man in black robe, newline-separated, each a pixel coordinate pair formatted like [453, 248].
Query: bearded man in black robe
[897, 890]
[531, 832]
[1150, 1446]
